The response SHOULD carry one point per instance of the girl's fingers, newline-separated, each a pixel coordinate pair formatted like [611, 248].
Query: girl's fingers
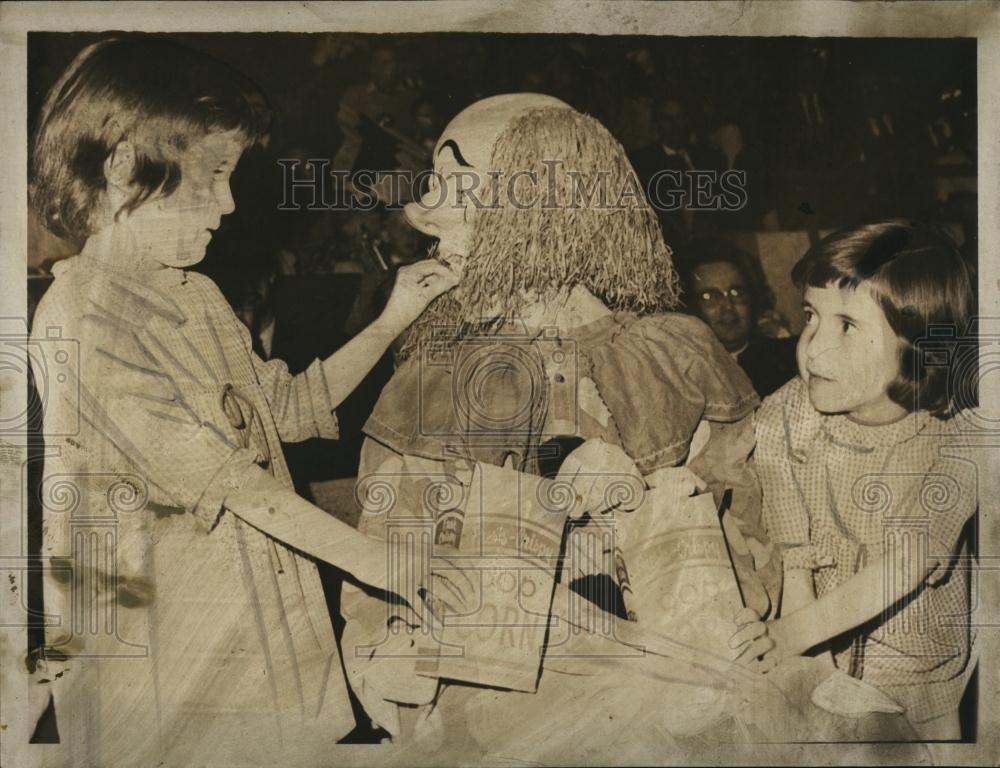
[456, 574]
[747, 633]
[766, 664]
[746, 616]
[432, 285]
[437, 284]
[446, 592]
[428, 268]
[753, 651]
[762, 665]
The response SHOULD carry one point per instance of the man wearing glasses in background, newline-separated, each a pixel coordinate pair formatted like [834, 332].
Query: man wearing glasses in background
[721, 289]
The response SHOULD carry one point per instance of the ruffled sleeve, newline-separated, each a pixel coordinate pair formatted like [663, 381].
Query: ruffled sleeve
[661, 375]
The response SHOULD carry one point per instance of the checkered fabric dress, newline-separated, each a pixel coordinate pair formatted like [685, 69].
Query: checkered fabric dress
[185, 634]
[837, 494]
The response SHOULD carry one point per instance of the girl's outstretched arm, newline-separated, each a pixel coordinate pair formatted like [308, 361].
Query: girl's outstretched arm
[883, 582]
[416, 286]
[886, 580]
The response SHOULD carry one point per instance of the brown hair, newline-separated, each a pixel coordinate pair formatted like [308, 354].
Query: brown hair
[160, 96]
[919, 279]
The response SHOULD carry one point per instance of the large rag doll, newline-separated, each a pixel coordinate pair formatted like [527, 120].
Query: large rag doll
[553, 465]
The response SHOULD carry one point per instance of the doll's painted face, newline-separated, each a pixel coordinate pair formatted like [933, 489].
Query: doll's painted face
[462, 159]
[848, 354]
[175, 230]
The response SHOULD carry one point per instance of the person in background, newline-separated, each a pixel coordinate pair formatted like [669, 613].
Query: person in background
[428, 122]
[760, 210]
[664, 167]
[721, 289]
[376, 118]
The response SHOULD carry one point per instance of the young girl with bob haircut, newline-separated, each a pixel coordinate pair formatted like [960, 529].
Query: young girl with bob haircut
[190, 624]
[861, 488]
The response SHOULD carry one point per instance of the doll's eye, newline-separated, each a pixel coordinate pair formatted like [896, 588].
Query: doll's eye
[810, 316]
[846, 326]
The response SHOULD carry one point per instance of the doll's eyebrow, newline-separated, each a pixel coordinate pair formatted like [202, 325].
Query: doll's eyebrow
[450, 143]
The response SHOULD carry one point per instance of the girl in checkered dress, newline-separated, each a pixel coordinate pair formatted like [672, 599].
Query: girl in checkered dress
[866, 487]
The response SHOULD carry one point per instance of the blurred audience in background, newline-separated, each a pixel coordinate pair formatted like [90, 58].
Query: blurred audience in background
[368, 111]
[666, 167]
[760, 211]
[827, 132]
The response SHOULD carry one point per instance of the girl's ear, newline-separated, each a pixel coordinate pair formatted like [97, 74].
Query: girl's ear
[119, 167]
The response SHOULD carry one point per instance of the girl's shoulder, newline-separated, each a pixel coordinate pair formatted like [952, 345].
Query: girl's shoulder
[791, 399]
[66, 299]
[82, 296]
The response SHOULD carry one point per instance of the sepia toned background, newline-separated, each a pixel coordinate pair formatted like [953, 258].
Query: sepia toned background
[841, 117]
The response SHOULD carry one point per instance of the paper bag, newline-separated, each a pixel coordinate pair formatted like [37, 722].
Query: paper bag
[503, 548]
[679, 572]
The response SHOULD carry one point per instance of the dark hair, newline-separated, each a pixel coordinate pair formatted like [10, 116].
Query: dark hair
[160, 96]
[715, 250]
[919, 279]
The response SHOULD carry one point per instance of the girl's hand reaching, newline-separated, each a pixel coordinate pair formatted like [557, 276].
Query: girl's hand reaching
[758, 644]
[417, 285]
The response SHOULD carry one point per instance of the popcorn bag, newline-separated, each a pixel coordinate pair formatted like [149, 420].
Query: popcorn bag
[502, 549]
[680, 581]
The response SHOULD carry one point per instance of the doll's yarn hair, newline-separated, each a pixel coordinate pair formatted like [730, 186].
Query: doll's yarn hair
[565, 209]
